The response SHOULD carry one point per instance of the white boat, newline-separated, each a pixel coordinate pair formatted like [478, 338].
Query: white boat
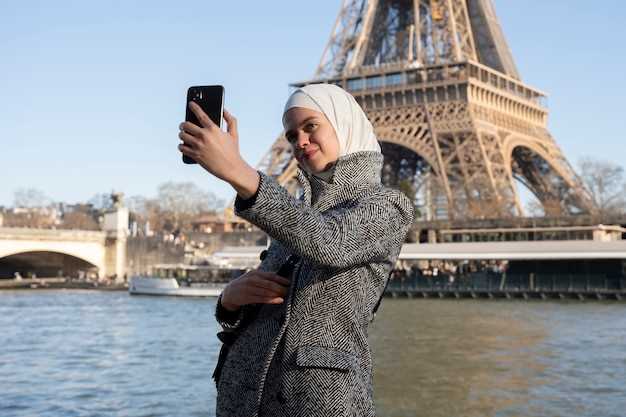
[184, 280]
[171, 286]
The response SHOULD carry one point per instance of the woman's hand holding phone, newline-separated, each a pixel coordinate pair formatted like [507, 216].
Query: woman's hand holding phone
[254, 287]
[218, 151]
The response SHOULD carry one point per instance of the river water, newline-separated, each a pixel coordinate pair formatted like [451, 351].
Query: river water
[91, 353]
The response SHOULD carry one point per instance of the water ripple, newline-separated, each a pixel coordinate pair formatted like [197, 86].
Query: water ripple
[90, 353]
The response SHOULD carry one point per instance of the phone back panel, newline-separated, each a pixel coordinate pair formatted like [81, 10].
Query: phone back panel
[211, 100]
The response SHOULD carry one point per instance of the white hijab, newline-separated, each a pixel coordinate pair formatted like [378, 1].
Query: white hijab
[354, 131]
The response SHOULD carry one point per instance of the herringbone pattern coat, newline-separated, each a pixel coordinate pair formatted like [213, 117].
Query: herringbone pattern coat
[309, 356]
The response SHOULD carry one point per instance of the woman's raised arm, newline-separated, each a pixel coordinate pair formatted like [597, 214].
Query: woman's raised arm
[371, 229]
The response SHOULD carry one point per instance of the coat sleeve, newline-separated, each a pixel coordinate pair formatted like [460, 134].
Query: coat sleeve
[370, 230]
[230, 320]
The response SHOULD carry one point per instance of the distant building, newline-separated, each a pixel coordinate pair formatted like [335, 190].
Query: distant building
[214, 223]
[35, 217]
[209, 223]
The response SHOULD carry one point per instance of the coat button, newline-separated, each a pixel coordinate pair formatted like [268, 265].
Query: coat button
[279, 396]
[263, 255]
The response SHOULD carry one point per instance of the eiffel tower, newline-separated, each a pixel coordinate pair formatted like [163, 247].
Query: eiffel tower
[438, 82]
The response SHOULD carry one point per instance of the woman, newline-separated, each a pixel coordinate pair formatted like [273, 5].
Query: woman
[302, 347]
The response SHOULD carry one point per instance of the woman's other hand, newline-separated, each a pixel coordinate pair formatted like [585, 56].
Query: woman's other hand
[218, 151]
[254, 287]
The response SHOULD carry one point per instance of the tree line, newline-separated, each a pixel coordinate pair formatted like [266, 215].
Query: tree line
[173, 209]
[177, 204]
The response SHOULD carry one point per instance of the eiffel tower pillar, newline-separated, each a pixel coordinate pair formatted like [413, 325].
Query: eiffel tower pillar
[439, 83]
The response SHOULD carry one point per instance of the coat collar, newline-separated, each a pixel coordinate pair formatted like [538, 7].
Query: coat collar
[352, 173]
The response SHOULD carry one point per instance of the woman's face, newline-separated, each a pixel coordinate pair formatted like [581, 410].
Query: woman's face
[312, 138]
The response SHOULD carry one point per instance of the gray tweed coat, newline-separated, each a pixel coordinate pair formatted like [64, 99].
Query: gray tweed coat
[309, 356]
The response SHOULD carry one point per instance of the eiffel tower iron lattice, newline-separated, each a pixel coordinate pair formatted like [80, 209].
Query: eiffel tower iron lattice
[438, 82]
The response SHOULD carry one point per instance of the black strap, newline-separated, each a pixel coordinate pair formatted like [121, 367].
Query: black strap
[227, 339]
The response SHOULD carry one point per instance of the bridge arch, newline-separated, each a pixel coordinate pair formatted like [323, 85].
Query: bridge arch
[44, 264]
[91, 252]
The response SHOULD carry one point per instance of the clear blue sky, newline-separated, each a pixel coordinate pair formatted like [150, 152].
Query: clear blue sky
[92, 92]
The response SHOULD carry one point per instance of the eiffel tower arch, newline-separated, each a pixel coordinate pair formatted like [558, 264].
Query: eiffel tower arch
[439, 83]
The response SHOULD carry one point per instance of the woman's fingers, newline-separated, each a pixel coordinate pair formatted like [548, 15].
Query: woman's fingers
[266, 300]
[204, 120]
[273, 287]
[191, 128]
[189, 140]
[187, 150]
[263, 292]
[259, 287]
[258, 299]
[273, 277]
[232, 124]
[252, 294]
[279, 279]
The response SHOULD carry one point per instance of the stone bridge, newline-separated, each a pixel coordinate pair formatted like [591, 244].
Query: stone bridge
[48, 252]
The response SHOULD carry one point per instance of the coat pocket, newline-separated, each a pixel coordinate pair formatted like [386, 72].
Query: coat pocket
[325, 357]
[324, 382]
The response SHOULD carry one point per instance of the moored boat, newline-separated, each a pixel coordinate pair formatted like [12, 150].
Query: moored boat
[171, 286]
[184, 280]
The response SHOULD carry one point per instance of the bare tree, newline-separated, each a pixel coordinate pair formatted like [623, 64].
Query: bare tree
[29, 198]
[605, 182]
[151, 213]
[175, 206]
[137, 204]
[101, 201]
[184, 200]
[39, 219]
[79, 220]
[186, 197]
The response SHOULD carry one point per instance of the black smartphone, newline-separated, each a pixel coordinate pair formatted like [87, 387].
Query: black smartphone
[211, 99]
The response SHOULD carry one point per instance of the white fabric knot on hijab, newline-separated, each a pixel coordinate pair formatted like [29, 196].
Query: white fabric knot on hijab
[354, 131]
